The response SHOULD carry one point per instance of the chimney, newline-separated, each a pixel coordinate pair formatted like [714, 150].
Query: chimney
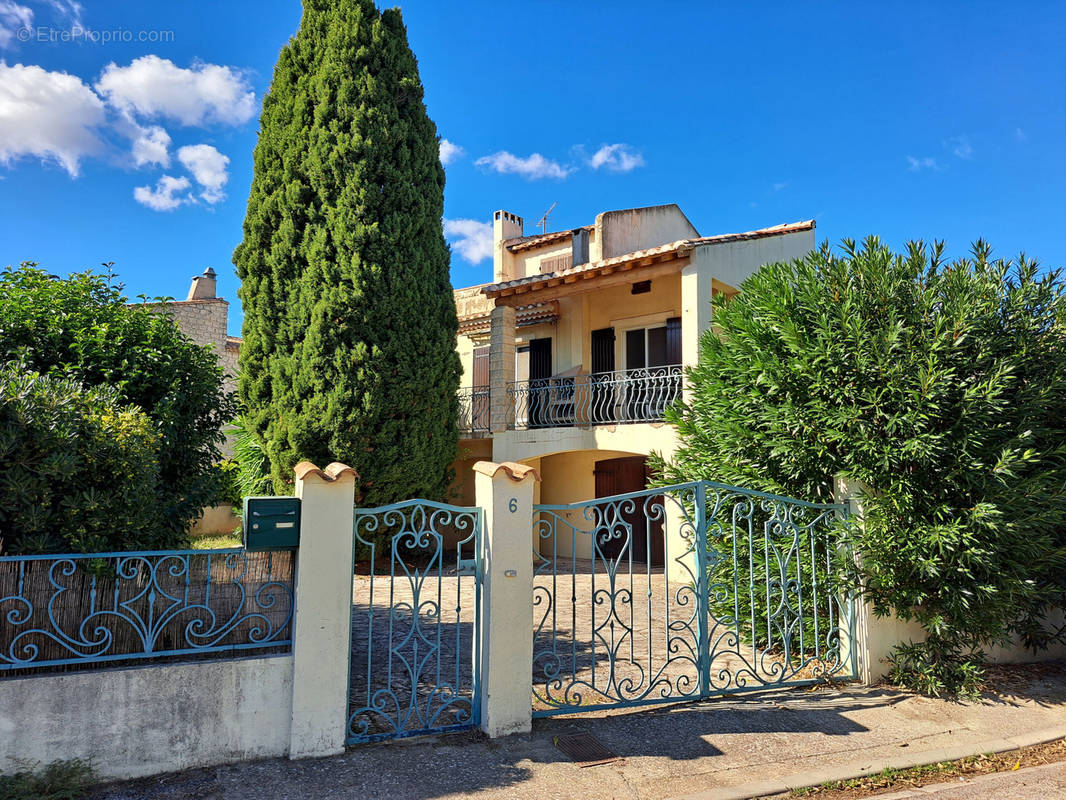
[203, 286]
[579, 242]
[505, 225]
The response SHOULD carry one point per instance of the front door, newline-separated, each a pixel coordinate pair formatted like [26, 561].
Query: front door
[645, 540]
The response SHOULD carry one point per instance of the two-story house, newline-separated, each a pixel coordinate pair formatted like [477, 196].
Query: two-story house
[574, 351]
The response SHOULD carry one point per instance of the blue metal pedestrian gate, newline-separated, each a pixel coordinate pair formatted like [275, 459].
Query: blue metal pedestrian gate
[684, 592]
[416, 599]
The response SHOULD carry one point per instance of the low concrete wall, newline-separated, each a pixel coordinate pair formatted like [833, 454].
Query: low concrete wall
[146, 720]
[877, 636]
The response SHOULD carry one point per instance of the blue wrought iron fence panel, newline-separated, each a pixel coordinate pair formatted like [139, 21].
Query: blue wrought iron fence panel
[686, 591]
[624, 396]
[98, 607]
[415, 630]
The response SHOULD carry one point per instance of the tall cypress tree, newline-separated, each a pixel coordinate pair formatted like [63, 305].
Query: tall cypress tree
[349, 319]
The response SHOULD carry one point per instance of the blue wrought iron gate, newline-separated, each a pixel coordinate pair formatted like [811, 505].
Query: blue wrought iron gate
[416, 600]
[685, 592]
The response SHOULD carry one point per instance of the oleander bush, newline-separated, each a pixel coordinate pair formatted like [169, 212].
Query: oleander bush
[940, 386]
[78, 469]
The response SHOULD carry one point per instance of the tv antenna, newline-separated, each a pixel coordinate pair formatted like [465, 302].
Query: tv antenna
[543, 223]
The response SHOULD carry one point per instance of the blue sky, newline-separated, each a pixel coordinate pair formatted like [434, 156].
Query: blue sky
[908, 120]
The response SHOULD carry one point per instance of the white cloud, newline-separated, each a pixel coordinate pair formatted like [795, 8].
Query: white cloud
[155, 87]
[13, 17]
[51, 115]
[961, 147]
[151, 147]
[68, 11]
[165, 195]
[208, 166]
[918, 164]
[449, 152]
[780, 186]
[532, 168]
[616, 158]
[471, 238]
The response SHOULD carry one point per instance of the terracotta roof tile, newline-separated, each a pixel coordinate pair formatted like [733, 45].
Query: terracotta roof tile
[520, 243]
[678, 248]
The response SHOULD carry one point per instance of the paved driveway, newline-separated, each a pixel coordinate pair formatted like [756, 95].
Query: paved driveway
[729, 747]
[599, 639]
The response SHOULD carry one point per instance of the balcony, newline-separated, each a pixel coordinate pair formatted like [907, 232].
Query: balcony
[474, 411]
[606, 398]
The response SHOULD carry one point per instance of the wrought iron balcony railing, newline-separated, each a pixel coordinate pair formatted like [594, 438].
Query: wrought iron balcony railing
[634, 395]
[474, 410]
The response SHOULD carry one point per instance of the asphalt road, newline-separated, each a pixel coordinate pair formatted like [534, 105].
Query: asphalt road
[1046, 782]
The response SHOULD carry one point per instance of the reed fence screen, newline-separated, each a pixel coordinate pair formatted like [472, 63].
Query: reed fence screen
[67, 611]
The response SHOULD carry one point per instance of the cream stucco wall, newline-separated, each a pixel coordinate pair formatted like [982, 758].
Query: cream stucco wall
[465, 347]
[633, 229]
[637, 439]
[569, 478]
[531, 262]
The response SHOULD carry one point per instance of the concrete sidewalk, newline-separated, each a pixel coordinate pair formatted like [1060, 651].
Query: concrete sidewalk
[733, 747]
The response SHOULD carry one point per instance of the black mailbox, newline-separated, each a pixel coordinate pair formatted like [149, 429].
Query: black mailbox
[271, 523]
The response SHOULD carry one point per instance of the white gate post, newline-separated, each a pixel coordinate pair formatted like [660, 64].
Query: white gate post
[321, 642]
[505, 660]
[871, 638]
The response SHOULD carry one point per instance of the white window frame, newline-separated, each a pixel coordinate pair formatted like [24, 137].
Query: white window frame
[623, 326]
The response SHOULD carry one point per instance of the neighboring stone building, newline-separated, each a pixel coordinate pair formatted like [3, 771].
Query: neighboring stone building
[204, 317]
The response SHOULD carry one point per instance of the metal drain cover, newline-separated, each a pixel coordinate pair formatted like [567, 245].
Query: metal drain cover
[585, 750]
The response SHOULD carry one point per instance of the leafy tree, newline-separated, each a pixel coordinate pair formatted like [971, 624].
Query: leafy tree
[83, 328]
[940, 386]
[350, 324]
[78, 470]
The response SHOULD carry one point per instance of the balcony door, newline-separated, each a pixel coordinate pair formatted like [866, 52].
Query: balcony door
[601, 404]
[650, 386]
[654, 346]
[533, 373]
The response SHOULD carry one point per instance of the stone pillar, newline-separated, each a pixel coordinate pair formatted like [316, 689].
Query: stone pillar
[505, 661]
[501, 365]
[323, 624]
[869, 639]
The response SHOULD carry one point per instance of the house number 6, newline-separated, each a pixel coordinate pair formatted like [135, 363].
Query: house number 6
[513, 505]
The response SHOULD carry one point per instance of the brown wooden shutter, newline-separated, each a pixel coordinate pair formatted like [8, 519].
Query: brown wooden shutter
[602, 350]
[673, 340]
[481, 366]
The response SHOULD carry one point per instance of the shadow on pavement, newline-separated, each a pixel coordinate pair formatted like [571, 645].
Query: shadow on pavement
[467, 763]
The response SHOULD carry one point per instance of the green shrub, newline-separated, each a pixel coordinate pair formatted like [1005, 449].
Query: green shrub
[778, 587]
[83, 328]
[229, 490]
[78, 469]
[942, 387]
